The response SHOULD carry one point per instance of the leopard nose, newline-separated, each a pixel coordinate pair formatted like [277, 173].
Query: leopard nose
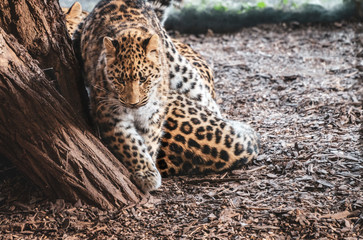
[133, 99]
[133, 93]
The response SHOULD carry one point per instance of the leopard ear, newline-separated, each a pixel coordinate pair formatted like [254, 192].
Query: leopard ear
[75, 10]
[151, 47]
[110, 46]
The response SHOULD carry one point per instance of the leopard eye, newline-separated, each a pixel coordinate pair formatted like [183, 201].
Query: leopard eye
[142, 80]
[122, 82]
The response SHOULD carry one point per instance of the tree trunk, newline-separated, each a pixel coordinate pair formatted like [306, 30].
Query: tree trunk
[40, 132]
[40, 28]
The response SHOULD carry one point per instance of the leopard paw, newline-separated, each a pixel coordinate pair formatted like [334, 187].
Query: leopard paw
[147, 180]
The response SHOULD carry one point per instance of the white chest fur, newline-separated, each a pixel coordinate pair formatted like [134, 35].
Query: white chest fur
[143, 117]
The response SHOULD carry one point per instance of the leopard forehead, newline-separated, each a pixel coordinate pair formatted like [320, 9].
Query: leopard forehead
[130, 60]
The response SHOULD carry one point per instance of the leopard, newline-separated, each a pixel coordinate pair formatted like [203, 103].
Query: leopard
[74, 16]
[151, 105]
[162, 8]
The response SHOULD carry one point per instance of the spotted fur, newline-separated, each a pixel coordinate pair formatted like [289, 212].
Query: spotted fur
[162, 8]
[154, 108]
[199, 63]
[198, 141]
[74, 17]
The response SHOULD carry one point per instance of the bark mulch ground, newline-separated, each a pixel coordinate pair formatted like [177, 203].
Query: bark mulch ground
[300, 86]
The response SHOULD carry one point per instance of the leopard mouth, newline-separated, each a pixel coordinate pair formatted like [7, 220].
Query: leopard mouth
[136, 105]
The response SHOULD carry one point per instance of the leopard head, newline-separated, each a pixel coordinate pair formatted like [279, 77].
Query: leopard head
[132, 66]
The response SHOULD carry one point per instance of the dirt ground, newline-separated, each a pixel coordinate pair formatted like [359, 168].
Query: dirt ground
[300, 87]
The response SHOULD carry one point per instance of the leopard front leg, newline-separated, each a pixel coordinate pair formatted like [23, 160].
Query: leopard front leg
[130, 147]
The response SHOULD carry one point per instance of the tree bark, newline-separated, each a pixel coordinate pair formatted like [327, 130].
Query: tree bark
[39, 26]
[39, 130]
